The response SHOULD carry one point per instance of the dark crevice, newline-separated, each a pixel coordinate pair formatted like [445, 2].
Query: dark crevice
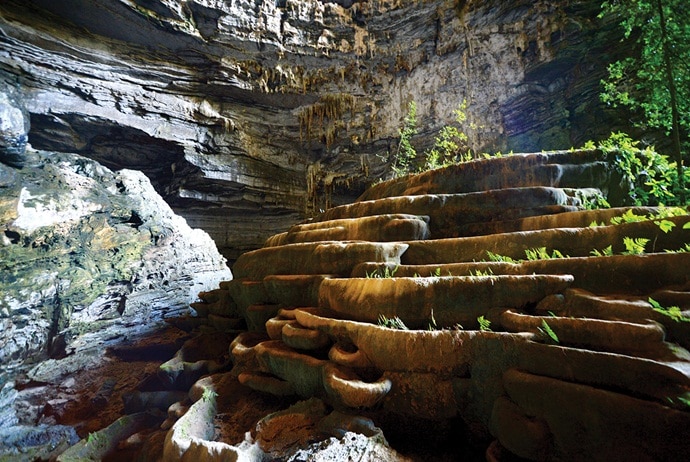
[135, 220]
[13, 236]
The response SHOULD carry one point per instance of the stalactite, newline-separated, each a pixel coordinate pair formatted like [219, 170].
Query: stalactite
[313, 178]
[323, 119]
[321, 183]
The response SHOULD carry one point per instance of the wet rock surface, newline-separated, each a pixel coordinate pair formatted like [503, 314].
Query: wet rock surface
[14, 129]
[481, 328]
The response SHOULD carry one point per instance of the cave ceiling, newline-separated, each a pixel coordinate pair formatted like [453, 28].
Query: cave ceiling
[250, 115]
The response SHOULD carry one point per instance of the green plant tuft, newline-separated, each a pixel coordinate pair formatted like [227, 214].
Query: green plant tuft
[484, 324]
[607, 252]
[650, 177]
[548, 332]
[448, 143]
[672, 312]
[634, 246]
[542, 254]
[665, 225]
[392, 323]
[385, 273]
[406, 153]
[480, 273]
[499, 258]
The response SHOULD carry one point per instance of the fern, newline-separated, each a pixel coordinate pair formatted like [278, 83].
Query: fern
[479, 273]
[634, 246]
[683, 400]
[607, 252]
[386, 273]
[499, 258]
[542, 254]
[672, 312]
[665, 225]
[484, 324]
[536, 254]
[628, 217]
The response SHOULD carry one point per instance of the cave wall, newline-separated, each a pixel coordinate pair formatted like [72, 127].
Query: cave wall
[90, 257]
[249, 115]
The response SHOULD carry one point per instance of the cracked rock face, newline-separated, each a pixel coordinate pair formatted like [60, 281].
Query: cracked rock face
[249, 115]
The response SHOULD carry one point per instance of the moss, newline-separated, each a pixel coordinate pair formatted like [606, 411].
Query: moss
[58, 268]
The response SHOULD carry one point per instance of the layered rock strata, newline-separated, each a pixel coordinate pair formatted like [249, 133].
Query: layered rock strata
[256, 113]
[551, 334]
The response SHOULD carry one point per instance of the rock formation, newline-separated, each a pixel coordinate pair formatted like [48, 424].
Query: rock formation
[481, 302]
[552, 333]
[86, 251]
[524, 328]
[89, 258]
[258, 113]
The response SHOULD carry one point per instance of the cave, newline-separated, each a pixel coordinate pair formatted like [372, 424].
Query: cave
[310, 230]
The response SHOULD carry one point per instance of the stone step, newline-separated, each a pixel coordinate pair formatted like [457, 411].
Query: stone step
[448, 353]
[378, 228]
[449, 212]
[616, 274]
[204, 354]
[641, 339]
[601, 416]
[653, 378]
[579, 303]
[311, 377]
[216, 302]
[561, 169]
[435, 301]
[576, 219]
[573, 242]
[331, 257]
[583, 304]
[481, 340]
[294, 289]
[368, 345]
[259, 301]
